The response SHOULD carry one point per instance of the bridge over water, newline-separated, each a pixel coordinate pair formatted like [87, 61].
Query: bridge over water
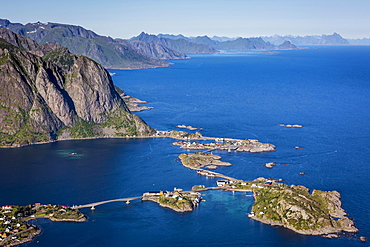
[94, 204]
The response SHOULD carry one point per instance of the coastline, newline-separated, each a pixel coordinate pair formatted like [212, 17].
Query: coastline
[14, 221]
[28, 239]
[81, 219]
[320, 232]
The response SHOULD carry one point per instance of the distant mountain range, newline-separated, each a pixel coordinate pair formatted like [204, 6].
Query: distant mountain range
[151, 51]
[334, 39]
[204, 44]
[110, 53]
[181, 44]
[364, 41]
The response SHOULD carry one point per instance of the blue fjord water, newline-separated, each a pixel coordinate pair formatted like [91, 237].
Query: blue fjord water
[245, 95]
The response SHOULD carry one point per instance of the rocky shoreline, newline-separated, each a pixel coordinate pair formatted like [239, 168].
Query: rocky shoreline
[293, 207]
[133, 104]
[25, 240]
[16, 230]
[81, 219]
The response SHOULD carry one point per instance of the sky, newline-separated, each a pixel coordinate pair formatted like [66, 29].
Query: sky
[231, 18]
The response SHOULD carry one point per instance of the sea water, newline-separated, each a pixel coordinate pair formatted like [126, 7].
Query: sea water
[241, 95]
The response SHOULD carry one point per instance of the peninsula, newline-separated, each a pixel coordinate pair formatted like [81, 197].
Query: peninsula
[14, 226]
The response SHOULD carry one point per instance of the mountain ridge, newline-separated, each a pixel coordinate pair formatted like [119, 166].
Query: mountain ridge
[212, 46]
[111, 53]
[180, 44]
[59, 95]
[333, 39]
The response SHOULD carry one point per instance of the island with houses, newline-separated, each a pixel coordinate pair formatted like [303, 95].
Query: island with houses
[14, 226]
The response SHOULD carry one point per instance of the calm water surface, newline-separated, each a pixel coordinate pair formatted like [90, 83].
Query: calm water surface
[326, 89]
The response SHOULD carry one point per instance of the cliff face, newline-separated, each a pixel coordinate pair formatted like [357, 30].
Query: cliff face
[59, 95]
[17, 40]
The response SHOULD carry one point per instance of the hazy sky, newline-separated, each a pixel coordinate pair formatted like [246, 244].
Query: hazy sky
[245, 18]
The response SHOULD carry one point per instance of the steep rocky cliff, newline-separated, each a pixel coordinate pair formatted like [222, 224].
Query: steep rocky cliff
[57, 95]
[17, 40]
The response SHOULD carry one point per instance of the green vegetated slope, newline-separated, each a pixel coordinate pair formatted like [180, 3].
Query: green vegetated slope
[48, 93]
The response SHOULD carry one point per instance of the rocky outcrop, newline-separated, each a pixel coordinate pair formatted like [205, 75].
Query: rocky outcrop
[17, 40]
[58, 96]
[44, 49]
[133, 104]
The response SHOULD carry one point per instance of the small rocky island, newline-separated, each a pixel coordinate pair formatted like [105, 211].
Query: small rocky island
[248, 145]
[290, 125]
[182, 126]
[294, 207]
[14, 226]
[199, 160]
[177, 200]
